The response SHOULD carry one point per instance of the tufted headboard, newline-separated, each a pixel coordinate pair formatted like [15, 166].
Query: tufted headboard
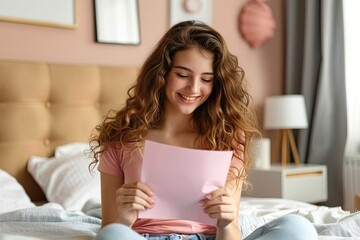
[44, 105]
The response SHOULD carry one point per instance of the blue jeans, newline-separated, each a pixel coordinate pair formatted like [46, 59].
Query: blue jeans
[117, 231]
[175, 236]
[292, 227]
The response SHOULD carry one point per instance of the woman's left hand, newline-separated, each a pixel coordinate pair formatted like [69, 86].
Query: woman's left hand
[220, 204]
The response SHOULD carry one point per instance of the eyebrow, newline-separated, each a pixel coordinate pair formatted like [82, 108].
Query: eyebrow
[188, 69]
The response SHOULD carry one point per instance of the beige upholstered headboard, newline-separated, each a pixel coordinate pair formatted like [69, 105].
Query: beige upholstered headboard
[44, 105]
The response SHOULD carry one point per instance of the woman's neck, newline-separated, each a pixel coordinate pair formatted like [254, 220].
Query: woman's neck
[175, 123]
[176, 129]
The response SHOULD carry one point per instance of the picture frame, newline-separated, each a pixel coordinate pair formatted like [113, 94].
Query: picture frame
[52, 13]
[117, 22]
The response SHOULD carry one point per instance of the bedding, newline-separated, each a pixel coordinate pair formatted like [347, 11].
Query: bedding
[52, 221]
[48, 111]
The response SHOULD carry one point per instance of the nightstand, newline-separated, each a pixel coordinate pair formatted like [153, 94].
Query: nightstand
[304, 182]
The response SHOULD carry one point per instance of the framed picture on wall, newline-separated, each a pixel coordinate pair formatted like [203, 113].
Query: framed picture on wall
[117, 21]
[53, 13]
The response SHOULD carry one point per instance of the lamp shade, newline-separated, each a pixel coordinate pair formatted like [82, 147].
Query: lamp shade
[285, 112]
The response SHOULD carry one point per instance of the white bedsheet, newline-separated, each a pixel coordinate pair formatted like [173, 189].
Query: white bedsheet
[51, 221]
[331, 223]
[276, 207]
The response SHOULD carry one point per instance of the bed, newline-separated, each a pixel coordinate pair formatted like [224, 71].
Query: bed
[47, 114]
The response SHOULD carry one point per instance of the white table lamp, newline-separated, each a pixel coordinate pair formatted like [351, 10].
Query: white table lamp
[284, 113]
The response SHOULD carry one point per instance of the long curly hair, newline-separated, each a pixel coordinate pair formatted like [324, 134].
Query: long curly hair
[225, 121]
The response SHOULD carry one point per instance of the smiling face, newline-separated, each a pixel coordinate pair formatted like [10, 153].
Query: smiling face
[190, 80]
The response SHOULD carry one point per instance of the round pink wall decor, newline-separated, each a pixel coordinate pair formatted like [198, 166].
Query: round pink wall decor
[256, 22]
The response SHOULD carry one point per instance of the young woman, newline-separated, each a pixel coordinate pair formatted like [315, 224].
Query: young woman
[190, 92]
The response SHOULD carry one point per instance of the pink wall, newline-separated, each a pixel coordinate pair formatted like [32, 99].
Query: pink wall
[263, 66]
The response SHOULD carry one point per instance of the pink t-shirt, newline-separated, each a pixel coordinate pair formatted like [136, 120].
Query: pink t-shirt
[126, 162]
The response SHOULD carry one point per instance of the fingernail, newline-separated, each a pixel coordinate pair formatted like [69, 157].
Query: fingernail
[201, 204]
[208, 196]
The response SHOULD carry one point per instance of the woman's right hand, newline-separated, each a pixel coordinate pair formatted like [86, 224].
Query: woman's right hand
[130, 198]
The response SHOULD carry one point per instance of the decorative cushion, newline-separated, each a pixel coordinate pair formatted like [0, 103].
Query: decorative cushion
[65, 178]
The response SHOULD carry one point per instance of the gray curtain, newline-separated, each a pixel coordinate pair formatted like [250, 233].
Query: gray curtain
[314, 67]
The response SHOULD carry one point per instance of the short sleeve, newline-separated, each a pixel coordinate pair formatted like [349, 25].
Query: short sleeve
[237, 164]
[111, 161]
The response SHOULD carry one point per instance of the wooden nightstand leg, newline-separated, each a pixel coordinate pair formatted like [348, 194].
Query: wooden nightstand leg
[276, 147]
[293, 147]
[284, 147]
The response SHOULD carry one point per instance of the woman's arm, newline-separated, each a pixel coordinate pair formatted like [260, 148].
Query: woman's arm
[109, 185]
[121, 202]
[224, 204]
[231, 231]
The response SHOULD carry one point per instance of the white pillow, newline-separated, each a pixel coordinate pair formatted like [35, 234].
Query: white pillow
[12, 194]
[71, 149]
[65, 178]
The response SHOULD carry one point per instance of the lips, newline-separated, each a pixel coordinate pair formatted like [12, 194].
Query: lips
[187, 98]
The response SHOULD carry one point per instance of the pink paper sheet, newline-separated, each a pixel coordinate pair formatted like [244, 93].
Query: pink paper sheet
[180, 178]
